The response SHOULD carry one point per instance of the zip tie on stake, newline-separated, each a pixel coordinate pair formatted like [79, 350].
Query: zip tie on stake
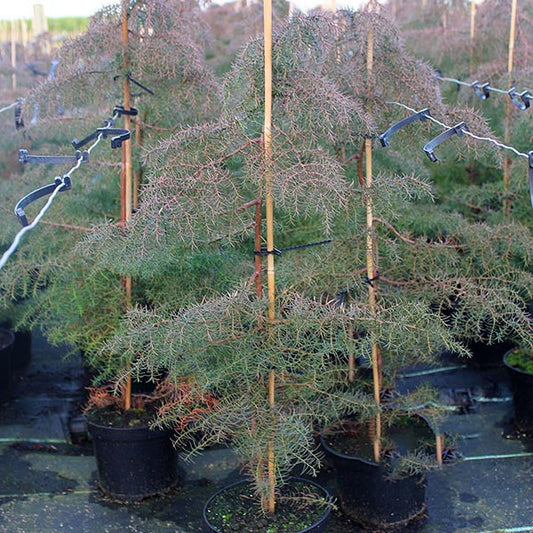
[277, 251]
[419, 115]
[430, 146]
[139, 84]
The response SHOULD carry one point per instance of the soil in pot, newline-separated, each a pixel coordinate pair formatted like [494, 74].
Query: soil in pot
[133, 461]
[302, 506]
[381, 496]
[7, 378]
[520, 366]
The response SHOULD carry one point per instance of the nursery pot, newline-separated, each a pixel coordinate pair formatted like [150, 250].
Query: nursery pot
[133, 463]
[318, 524]
[522, 389]
[368, 494]
[22, 352]
[7, 340]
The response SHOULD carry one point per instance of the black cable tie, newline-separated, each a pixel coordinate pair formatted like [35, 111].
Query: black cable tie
[303, 246]
[420, 115]
[530, 175]
[264, 251]
[109, 123]
[78, 144]
[119, 109]
[39, 193]
[19, 121]
[520, 100]
[370, 281]
[482, 91]
[458, 129]
[24, 157]
[139, 84]
[121, 135]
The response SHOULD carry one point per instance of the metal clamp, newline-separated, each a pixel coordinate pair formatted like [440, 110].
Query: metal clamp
[520, 100]
[121, 135]
[482, 91]
[24, 157]
[39, 193]
[421, 115]
[429, 148]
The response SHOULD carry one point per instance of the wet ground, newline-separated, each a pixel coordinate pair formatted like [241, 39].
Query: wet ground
[48, 481]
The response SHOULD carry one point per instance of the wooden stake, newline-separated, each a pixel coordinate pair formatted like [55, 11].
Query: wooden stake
[269, 204]
[13, 55]
[439, 445]
[126, 178]
[472, 34]
[371, 255]
[507, 131]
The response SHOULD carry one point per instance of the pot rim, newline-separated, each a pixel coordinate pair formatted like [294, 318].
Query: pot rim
[292, 478]
[145, 429]
[331, 450]
[514, 368]
[10, 333]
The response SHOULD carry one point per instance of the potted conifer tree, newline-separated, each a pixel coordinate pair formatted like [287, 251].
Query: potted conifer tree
[145, 52]
[280, 366]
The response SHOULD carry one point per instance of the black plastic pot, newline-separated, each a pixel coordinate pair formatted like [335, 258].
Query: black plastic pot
[22, 352]
[134, 463]
[7, 340]
[522, 388]
[318, 527]
[370, 497]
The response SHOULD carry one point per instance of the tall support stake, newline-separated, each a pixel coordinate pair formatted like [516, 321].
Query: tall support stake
[126, 175]
[371, 257]
[507, 132]
[269, 213]
[473, 10]
[13, 55]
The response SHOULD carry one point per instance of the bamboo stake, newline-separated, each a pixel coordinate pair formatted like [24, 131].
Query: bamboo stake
[507, 132]
[269, 204]
[371, 254]
[23, 38]
[126, 178]
[439, 441]
[473, 10]
[13, 55]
